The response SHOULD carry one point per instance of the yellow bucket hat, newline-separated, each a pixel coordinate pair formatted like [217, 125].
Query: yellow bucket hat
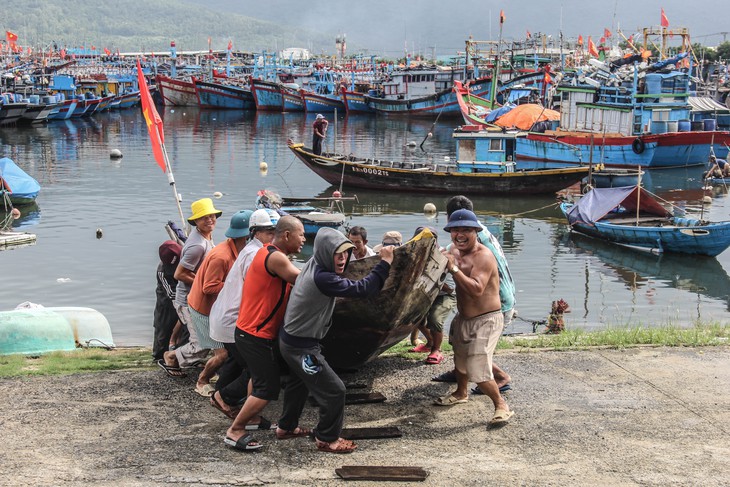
[202, 207]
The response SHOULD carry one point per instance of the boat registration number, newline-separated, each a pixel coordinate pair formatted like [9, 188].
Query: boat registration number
[370, 170]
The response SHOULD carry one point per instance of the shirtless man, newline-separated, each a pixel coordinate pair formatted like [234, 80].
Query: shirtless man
[479, 315]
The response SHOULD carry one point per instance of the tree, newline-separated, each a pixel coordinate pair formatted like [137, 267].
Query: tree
[723, 50]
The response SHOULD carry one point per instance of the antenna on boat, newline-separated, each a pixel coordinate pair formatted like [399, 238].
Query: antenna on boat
[638, 193]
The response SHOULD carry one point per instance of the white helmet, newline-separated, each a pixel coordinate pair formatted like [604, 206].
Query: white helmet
[263, 218]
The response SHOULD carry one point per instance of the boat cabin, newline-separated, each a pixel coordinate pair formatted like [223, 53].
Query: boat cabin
[480, 149]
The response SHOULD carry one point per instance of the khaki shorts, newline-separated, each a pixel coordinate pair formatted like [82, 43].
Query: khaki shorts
[474, 341]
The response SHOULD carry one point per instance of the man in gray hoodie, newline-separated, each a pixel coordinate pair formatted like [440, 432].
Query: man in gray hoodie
[308, 318]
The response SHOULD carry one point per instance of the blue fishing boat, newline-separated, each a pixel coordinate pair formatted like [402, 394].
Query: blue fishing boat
[233, 94]
[267, 95]
[291, 98]
[312, 218]
[16, 184]
[322, 93]
[631, 217]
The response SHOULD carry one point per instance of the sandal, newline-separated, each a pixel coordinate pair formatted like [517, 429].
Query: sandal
[263, 424]
[449, 376]
[449, 400]
[420, 348]
[170, 370]
[244, 443]
[435, 358]
[231, 413]
[340, 445]
[295, 433]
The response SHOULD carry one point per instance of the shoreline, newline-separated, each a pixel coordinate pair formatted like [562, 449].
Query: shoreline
[648, 416]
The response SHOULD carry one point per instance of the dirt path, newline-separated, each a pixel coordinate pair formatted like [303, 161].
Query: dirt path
[644, 416]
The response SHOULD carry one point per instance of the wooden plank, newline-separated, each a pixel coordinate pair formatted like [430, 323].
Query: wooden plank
[364, 398]
[380, 473]
[371, 433]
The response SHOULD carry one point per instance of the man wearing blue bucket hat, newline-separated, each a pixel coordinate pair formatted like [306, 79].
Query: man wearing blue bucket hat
[478, 324]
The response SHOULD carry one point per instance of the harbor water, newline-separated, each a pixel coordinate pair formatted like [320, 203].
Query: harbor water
[129, 200]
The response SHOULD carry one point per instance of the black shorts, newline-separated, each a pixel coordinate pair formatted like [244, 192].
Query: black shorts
[263, 359]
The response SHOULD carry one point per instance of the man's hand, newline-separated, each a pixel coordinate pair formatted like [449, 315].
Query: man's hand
[386, 254]
[450, 257]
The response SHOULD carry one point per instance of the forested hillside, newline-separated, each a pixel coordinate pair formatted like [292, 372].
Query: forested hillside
[139, 25]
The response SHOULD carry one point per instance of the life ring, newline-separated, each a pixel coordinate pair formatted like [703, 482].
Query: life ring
[638, 146]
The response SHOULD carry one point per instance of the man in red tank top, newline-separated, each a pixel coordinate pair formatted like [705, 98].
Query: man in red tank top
[263, 303]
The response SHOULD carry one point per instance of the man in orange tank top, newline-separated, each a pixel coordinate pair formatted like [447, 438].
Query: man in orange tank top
[263, 303]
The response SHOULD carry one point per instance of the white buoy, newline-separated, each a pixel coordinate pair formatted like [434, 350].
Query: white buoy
[263, 172]
[172, 110]
[412, 143]
[430, 134]
[263, 166]
[115, 154]
[447, 159]
[217, 194]
[706, 200]
[429, 208]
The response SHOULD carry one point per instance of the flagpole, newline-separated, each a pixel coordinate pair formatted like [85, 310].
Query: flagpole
[171, 181]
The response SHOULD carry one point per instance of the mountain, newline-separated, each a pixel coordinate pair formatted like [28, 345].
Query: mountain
[138, 25]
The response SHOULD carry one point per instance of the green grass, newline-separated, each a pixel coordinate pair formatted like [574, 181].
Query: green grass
[85, 360]
[699, 335]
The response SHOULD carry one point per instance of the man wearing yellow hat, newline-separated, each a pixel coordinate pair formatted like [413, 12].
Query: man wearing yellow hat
[198, 244]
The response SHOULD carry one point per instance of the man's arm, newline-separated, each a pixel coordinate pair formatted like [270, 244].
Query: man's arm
[188, 260]
[278, 265]
[184, 275]
[214, 277]
[475, 284]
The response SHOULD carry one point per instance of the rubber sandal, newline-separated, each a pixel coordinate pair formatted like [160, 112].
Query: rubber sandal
[344, 446]
[171, 371]
[263, 424]
[206, 390]
[293, 434]
[501, 416]
[435, 358]
[420, 348]
[503, 389]
[244, 443]
[449, 400]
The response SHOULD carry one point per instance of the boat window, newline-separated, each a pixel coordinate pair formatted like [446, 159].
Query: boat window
[495, 145]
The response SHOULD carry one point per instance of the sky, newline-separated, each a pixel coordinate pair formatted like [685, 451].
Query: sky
[387, 27]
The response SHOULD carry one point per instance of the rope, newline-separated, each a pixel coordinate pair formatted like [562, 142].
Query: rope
[532, 211]
[432, 126]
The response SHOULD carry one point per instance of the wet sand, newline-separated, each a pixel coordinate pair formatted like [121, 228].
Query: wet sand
[642, 416]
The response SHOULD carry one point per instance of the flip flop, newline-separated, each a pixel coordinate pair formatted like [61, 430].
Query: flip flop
[244, 443]
[449, 400]
[170, 370]
[420, 348]
[206, 390]
[504, 388]
[501, 416]
[345, 446]
[293, 434]
[230, 413]
[434, 358]
[449, 376]
[263, 424]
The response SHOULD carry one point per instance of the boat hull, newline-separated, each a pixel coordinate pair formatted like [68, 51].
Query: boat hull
[444, 103]
[267, 96]
[375, 175]
[363, 328]
[614, 151]
[176, 92]
[218, 95]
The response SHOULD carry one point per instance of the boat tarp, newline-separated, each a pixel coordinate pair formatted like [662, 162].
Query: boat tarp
[706, 104]
[16, 181]
[597, 203]
[498, 112]
[524, 116]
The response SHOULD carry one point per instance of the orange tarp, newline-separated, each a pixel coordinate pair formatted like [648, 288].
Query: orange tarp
[524, 116]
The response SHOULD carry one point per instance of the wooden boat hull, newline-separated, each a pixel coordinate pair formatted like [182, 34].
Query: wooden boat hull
[176, 92]
[677, 235]
[218, 95]
[373, 174]
[364, 328]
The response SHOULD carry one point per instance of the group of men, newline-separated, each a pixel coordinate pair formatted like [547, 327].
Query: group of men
[263, 317]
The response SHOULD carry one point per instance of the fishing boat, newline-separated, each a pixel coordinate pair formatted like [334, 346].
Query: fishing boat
[630, 216]
[16, 184]
[232, 94]
[176, 91]
[363, 328]
[484, 165]
[615, 177]
[311, 217]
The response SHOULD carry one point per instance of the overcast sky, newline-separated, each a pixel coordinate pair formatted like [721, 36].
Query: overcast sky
[385, 26]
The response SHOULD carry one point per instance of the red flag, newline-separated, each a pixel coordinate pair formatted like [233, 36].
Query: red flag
[12, 38]
[154, 122]
[606, 33]
[501, 16]
[580, 40]
[62, 53]
[592, 47]
[230, 44]
[529, 35]
[664, 20]
[107, 52]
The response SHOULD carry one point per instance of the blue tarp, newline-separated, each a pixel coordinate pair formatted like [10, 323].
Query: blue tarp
[600, 201]
[495, 114]
[20, 184]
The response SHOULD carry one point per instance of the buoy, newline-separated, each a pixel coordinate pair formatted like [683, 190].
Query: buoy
[412, 143]
[336, 194]
[15, 213]
[99, 233]
[430, 134]
[263, 166]
[115, 154]
[447, 159]
[429, 208]
[172, 110]
[706, 200]
[217, 194]
[263, 172]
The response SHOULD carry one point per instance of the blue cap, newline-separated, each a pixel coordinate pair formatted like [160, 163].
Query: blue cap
[462, 218]
[239, 224]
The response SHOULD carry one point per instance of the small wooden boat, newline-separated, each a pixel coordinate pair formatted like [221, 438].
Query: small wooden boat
[363, 328]
[615, 177]
[20, 187]
[493, 173]
[630, 216]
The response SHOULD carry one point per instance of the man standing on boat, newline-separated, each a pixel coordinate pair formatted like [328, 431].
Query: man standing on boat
[478, 324]
[320, 130]
[307, 320]
[198, 244]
